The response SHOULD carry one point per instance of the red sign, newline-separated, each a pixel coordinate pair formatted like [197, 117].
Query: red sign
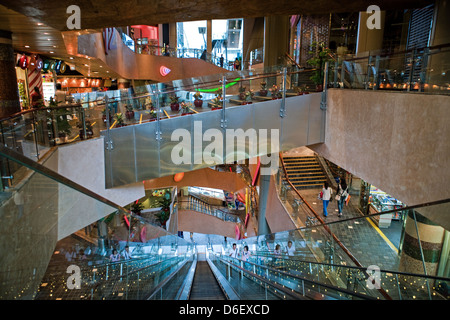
[164, 71]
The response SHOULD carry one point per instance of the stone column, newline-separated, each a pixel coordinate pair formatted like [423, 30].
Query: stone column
[431, 240]
[209, 36]
[9, 92]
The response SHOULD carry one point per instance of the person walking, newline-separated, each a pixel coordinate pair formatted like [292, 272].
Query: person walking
[326, 196]
[221, 61]
[341, 195]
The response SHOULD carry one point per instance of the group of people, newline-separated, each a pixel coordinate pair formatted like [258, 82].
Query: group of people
[245, 256]
[341, 196]
[115, 256]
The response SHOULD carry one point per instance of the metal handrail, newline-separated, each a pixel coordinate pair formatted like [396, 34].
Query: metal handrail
[362, 269]
[335, 238]
[293, 276]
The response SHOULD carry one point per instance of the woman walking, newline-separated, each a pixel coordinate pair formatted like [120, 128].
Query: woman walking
[341, 195]
[326, 196]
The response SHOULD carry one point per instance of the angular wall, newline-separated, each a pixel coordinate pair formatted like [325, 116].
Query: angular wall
[397, 141]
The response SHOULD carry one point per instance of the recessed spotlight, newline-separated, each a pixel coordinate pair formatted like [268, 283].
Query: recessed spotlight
[27, 46]
[49, 39]
[101, 66]
[51, 52]
[86, 65]
[71, 58]
[39, 24]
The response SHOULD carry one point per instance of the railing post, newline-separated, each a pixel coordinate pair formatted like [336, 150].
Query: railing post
[376, 77]
[283, 101]
[411, 70]
[421, 253]
[223, 121]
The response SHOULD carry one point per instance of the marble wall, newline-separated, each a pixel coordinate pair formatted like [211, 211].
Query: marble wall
[397, 141]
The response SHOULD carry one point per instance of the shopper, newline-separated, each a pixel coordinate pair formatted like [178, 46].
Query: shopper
[60, 95]
[326, 196]
[245, 254]
[221, 60]
[114, 256]
[126, 254]
[234, 251]
[166, 51]
[36, 99]
[341, 195]
[290, 249]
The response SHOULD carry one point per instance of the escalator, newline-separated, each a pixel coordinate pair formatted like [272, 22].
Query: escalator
[205, 285]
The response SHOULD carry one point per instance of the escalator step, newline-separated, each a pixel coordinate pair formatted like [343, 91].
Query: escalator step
[205, 286]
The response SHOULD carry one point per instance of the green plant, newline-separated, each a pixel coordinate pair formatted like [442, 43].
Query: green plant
[263, 85]
[321, 54]
[137, 207]
[174, 99]
[119, 120]
[164, 214]
[197, 96]
[249, 95]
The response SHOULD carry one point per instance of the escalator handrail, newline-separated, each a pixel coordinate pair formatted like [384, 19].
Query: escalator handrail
[343, 247]
[294, 276]
[278, 287]
[293, 258]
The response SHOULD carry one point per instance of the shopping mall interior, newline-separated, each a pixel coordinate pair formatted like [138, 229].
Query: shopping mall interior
[126, 176]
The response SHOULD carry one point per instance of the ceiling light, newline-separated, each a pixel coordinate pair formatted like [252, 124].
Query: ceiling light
[86, 65]
[39, 24]
[51, 52]
[27, 46]
[71, 58]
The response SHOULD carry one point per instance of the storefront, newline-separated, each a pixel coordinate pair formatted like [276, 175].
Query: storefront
[380, 201]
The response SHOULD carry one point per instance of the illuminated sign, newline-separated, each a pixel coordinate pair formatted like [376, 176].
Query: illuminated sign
[164, 71]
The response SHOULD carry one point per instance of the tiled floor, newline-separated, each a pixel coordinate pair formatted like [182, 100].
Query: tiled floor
[358, 236]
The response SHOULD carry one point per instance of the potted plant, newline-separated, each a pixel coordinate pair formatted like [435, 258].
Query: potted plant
[119, 120]
[62, 124]
[302, 90]
[104, 116]
[186, 108]
[321, 55]
[275, 91]
[242, 92]
[137, 207]
[217, 102]
[164, 214]
[263, 91]
[248, 97]
[198, 102]
[129, 114]
[174, 104]
[89, 131]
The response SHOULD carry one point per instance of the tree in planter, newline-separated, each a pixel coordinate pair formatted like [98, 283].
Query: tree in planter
[198, 102]
[119, 120]
[164, 214]
[137, 207]
[321, 55]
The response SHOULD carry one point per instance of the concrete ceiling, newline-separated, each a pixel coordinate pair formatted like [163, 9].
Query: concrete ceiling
[29, 36]
[97, 14]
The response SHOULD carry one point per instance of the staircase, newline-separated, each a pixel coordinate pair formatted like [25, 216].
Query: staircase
[304, 172]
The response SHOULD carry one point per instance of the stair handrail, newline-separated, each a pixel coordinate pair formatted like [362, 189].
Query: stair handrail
[335, 238]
